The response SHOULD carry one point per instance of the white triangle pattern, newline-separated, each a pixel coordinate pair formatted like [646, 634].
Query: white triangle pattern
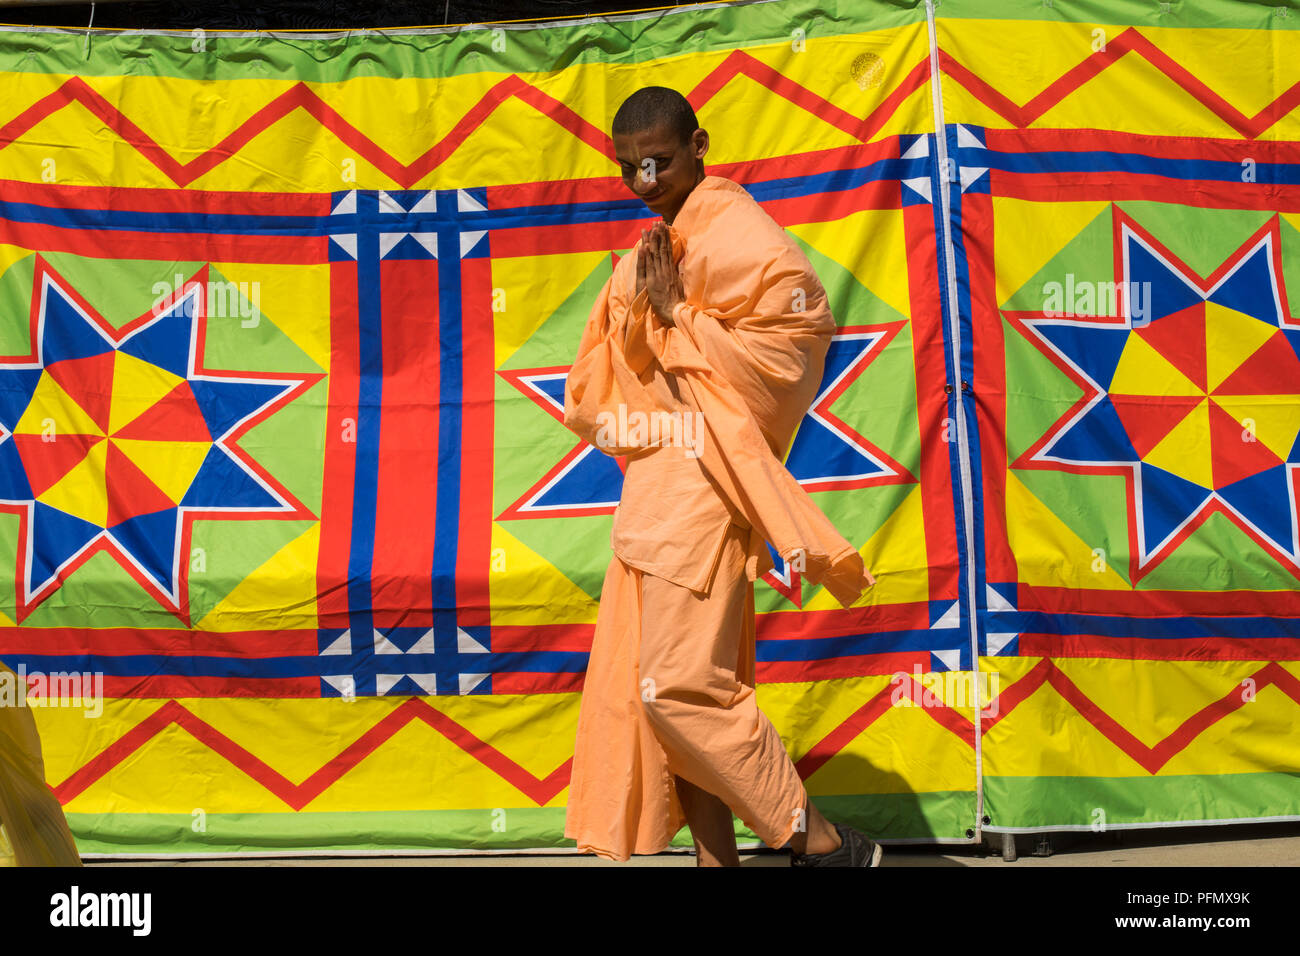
[951, 618]
[996, 642]
[343, 683]
[995, 601]
[921, 186]
[918, 150]
[467, 644]
[468, 240]
[424, 645]
[429, 240]
[428, 683]
[347, 242]
[467, 203]
[951, 658]
[966, 139]
[384, 646]
[971, 173]
[341, 644]
[469, 681]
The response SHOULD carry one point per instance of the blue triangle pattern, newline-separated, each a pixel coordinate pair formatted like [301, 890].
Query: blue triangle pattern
[1095, 349]
[220, 483]
[1264, 500]
[151, 540]
[1249, 289]
[55, 536]
[66, 334]
[1098, 436]
[1167, 500]
[594, 480]
[165, 342]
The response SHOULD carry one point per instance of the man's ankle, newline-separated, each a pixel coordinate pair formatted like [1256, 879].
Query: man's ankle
[824, 840]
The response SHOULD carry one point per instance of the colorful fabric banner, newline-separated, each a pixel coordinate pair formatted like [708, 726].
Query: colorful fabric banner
[304, 559]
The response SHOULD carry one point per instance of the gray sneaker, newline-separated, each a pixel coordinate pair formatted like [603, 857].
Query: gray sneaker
[854, 850]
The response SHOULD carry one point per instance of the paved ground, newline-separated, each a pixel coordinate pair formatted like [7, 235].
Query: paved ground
[1262, 844]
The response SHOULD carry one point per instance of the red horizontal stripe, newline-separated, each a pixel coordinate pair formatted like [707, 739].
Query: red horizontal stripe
[174, 685]
[561, 192]
[542, 637]
[1160, 603]
[510, 682]
[808, 164]
[1169, 147]
[568, 237]
[776, 625]
[120, 641]
[861, 665]
[611, 188]
[838, 622]
[1111, 186]
[125, 244]
[166, 200]
[831, 206]
[1173, 649]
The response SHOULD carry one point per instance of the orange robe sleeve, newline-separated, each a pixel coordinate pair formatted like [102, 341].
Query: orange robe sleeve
[610, 377]
[671, 521]
[749, 346]
[745, 353]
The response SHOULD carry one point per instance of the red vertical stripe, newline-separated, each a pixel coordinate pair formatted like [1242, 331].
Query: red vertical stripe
[931, 402]
[401, 586]
[990, 383]
[340, 449]
[473, 553]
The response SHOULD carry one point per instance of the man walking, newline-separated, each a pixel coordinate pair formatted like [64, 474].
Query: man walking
[717, 321]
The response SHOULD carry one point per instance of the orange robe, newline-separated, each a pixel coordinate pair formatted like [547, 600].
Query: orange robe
[670, 684]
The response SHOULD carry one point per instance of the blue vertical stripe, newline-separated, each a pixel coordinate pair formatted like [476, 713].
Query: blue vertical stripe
[966, 364]
[450, 397]
[370, 396]
[938, 182]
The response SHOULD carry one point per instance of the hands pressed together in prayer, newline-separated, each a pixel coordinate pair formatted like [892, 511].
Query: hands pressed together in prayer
[657, 273]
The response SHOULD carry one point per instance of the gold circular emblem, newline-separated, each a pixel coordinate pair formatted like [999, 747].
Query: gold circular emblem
[868, 70]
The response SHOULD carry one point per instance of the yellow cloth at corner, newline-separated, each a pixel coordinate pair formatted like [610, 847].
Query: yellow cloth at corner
[33, 820]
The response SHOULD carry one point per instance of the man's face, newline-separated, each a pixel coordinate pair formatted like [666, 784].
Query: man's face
[659, 167]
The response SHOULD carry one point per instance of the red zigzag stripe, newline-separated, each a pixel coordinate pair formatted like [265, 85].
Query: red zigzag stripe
[542, 790]
[736, 64]
[298, 795]
[300, 96]
[1046, 672]
[1130, 41]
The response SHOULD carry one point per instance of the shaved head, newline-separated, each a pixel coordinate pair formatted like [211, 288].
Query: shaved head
[654, 106]
[659, 148]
